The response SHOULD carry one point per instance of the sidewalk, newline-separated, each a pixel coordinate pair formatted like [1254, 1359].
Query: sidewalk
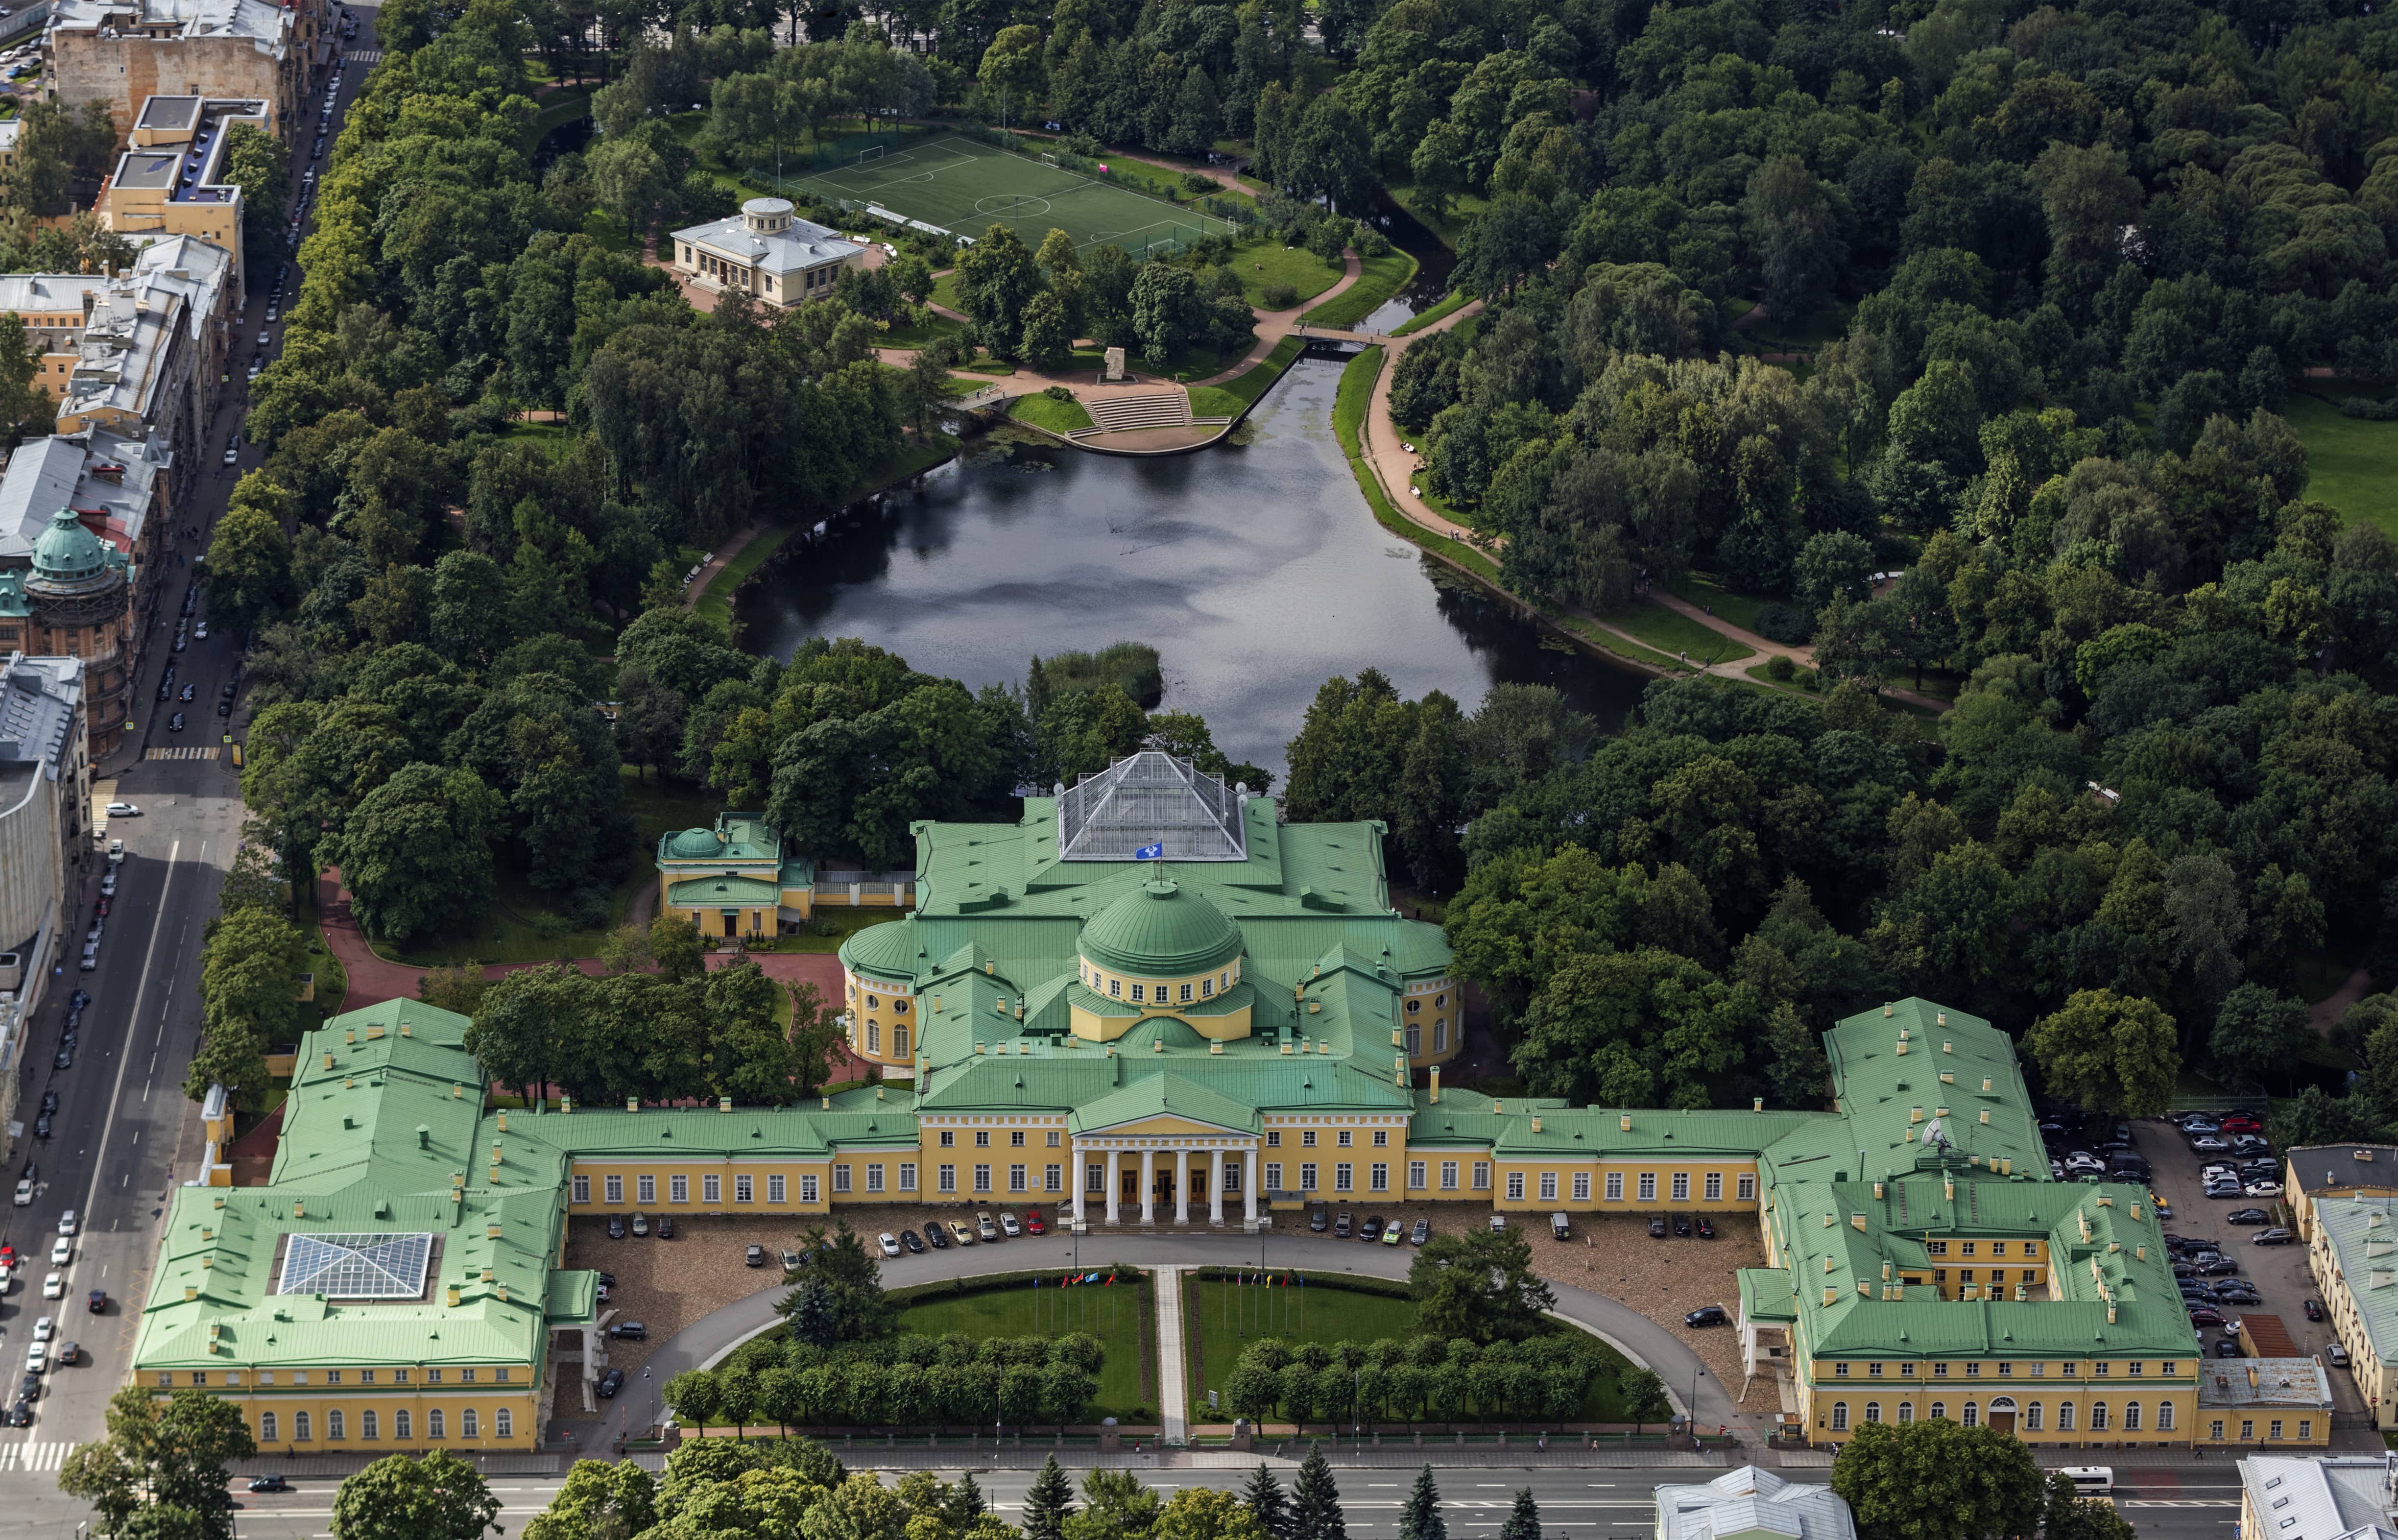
[1173, 1395]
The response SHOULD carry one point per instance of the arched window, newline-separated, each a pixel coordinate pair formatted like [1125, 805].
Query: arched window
[333, 1425]
[2097, 1416]
[466, 1428]
[2165, 1417]
[370, 1426]
[1972, 1415]
[504, 1421]
[1873, 1412]
[403, 1425]
[1939, 1410]
[2032, 1418]
[1905, 1413]
[2131, 1416]
[268, 1428]
[300, 1428]
[436, 1424]
[1840, 1416]
[2065, 1416]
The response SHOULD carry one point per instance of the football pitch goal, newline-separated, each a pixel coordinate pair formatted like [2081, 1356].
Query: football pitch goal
[965, 187]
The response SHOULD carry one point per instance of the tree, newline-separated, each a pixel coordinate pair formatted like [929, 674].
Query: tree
[693, 1394]
[996, 280]
[927, 388]
[2258, 1032]
[599, 1501]
[1011, 69]
[1047, 339]
[1205, 1513]
[1644, 1397]
[1419, 1516]
[1315, 1498]
[1478, 1286]
[1048, 1502]
[1165, 309]
[176, 1448]
[249, 572]
[1266, 1498]
[1116, 1504]
[249, 985]
[459, 988]
[849, 1283]
[1936, 1480]
[260, 165]
[438, 1497]
[2108, 1053]
[1524, 1519]
[1830, 564]
[674, 942]
[1793, 236]
[416, 854]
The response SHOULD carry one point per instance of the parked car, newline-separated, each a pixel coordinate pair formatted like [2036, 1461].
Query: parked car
[2314, 1310]
[2278, 1235]
[792, 1260]
[1421, 1233]
[2248, 1216]
[889, 1242]
[269, 1483]
[1033, 1223]
[986, 1226]
[2336, 1356]
[629, 1331]
[641, 1225]
[615, 1226]
[1342, 1224]
[1316, 1219]
[960, 1233]
[2218, 1267]
[1682, 1224]
[665, 1226]
[1657, 1225]
[2209, 1143]
[937, 1238]
[2229, 1348]
[1007, 1225]
[2201, 1315]
[915, 1242]
[2263, 1189]
[1371, 1231]
[1394, 1233]
[1707, 1228]
[610, 1384]
[754, 1256]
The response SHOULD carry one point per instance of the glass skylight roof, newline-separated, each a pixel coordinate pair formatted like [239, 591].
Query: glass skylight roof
[388, 1266]
[1151, 807]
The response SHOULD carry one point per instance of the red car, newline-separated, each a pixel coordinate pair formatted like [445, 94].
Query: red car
[2241, 1123]
[7, 1255]
[1033, 1223]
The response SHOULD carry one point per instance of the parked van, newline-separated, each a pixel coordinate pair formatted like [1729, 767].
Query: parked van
[2091, 1480]
[1558, 1227]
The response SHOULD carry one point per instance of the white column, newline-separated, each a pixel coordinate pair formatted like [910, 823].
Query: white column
[1182, 1186]
[1148, 1186]
[1112, 1186]
[1074, 1175]
[1249, 1188]
[1216, 1187]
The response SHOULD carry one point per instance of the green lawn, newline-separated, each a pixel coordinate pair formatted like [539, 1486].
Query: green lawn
[1223, 1318]
[2352, 463]
[1458, 300]
[716, 603]
[554, 437]
[1049, 412]
[1739, 608]
[1115, 1315]
[1670, 632]
[1378, 278]
[521, 927]
[1241, 392]
[1348, 406]
[921, 336]
[1270, 261]
[944, 292]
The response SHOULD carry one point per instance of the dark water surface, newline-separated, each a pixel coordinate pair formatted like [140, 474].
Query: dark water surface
[1256, 570]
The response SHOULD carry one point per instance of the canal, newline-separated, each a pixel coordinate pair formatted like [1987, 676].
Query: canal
[1255, 568]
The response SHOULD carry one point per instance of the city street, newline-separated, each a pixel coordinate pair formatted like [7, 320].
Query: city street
[124, 1133]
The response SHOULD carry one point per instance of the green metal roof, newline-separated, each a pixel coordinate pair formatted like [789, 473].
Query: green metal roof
[2363, 1235]
[1160, 929]
[1163, 1095]
[723, 892]
[737, 838]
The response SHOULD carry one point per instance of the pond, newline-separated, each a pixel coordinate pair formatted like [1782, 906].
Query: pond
[1255, 568]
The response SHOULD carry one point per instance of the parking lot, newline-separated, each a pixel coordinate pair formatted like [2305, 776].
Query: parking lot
[2277, 1274]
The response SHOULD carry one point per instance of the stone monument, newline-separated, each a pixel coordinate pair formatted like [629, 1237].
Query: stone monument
[1115, 366]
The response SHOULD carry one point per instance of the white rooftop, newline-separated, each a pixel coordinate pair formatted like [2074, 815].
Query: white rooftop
[798, 246]
[2332, 1498]
[1749, 1501]
[38, 708]
[262, 23]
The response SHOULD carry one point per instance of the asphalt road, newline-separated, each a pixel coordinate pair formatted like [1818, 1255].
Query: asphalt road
[124, 1133]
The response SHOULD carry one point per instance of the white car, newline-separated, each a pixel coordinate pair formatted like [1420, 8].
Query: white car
[25, 1193]
[43, 1329]
[200, 631]
[233, 457]
[889, 1242]
[117, 852]
[55, 1287]
[123, 810]
[67, 1223]
[2261, 1189]
[37, 1359]
[62, 1251]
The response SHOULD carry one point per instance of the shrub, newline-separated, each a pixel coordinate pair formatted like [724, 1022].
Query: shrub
[1281, 296]
[1058, 393]
[1786, 624]
[1197, 182]
[1779, 669]
[2368, 409]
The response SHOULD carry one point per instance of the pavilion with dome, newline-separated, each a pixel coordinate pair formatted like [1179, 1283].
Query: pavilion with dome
[72, 600]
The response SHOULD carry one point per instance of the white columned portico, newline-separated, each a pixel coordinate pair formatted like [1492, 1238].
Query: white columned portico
[1249, 1188]
[1112, 1186]
[1148, 1186]
[1216, 1187]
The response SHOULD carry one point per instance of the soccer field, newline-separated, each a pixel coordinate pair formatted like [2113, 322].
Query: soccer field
[965, 187]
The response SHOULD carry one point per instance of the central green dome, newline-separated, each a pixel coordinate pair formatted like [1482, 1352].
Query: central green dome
[693, 843]
[1160, 931]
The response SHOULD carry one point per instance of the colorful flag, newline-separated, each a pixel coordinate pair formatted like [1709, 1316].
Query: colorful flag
[1111, 1280]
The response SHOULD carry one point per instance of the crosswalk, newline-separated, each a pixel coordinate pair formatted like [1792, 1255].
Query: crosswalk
[190, 752]
[364, 56]
[33, 1457]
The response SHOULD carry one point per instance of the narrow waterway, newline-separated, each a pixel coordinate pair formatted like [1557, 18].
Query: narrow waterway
[1255, 568]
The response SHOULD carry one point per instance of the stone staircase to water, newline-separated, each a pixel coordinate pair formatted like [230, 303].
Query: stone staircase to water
[1123, 411]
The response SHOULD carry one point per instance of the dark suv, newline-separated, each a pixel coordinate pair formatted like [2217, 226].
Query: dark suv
[1317, 1219]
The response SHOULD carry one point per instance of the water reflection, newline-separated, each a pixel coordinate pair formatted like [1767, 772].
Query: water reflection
[1255, 568]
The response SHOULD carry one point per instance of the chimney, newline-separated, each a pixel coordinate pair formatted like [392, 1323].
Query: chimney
[424, 1137]
[1885, 1010]
[451, 1295]
[632, 1104]
[328, 1061]
[1942, 1017]
[1536, 1125]
[1623, 1124]
[1986, 1083]
[1757, 1104]
[350, 1036]
[504, 1120]
[565, 1103]
[1435, 1083]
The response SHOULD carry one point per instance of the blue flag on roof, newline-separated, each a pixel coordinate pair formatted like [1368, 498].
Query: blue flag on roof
[1149, 853]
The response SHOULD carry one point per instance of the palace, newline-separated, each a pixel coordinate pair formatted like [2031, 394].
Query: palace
[1151, 1000]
